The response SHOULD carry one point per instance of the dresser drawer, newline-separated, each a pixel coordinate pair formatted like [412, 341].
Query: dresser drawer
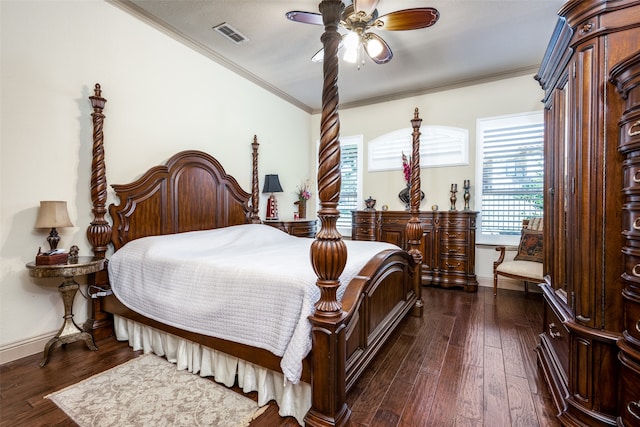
[454, 265]
[631, 264]
[303, 230]
[459, 235]
[364, 233]
[586, 28]
[453, 248]
[630, 390]
[630, 131]
[631, 223]
[631, 176]
[631, 303]
[362, 219]
[557, 335]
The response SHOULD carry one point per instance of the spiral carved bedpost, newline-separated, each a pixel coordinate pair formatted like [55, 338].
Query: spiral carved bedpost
[414, 227]
[255, 189]
[328, 251]
[99, 231]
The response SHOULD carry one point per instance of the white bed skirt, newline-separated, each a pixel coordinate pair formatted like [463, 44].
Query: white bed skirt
[292, 399]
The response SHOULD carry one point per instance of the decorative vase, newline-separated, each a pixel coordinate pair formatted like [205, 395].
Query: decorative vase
[302, 208]
[405, 196]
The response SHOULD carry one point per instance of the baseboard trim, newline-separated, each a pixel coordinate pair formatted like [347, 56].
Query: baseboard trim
[18, 350]
[509, 284]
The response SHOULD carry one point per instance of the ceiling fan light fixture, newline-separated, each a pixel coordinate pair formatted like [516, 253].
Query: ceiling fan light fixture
[351, 55]
[351, 40]
[374, 47]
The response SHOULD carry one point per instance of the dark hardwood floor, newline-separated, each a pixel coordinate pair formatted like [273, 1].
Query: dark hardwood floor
[468, 362]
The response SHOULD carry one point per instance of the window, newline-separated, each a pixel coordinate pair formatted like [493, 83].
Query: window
[510, 175]
[351, 187]
[439, 146]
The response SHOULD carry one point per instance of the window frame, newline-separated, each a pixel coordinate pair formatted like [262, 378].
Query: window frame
[532, 118]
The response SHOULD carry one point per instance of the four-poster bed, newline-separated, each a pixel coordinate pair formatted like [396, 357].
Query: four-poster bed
[348, 322]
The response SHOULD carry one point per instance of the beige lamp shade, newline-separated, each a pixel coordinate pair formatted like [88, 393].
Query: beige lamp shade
[53, 214]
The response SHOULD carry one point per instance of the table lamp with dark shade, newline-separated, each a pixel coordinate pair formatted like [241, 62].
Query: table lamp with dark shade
[53, 214]
[272, 185]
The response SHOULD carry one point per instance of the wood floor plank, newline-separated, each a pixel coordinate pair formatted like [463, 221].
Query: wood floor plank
[512, 351]
[470, 397]
[437, 348]
[545, 410]
[523, 413]
[366, 406]
[474, 344]
[496, 406]
[443, 410]
[391, 407]
[420, 400]
[491, 326]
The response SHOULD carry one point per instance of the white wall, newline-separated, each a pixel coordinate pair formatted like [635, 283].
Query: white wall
[459, 107]
[162, 97]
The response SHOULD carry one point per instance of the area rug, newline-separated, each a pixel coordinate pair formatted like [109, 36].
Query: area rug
[150, 391]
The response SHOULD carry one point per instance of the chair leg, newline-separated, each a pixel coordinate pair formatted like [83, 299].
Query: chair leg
[495, 284]
[526, 287]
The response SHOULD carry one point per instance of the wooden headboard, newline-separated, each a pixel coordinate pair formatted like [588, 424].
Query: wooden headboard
[190, 192]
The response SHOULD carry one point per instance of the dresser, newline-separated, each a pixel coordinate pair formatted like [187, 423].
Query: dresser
[589, 258]
[447, 244]
[295, 227]
[626, 77]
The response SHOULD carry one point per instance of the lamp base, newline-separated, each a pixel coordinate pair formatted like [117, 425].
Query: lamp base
[53, 238]
[272, 208]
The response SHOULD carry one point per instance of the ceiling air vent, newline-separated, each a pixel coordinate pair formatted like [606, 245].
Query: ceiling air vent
[230, 33]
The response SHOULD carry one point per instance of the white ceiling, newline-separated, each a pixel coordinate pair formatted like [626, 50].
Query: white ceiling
[473, 40]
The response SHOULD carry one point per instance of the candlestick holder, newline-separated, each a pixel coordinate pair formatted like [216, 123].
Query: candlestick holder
[467, 195]
[454, 190]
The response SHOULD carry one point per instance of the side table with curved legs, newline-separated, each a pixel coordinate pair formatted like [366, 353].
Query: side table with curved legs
[69, 332]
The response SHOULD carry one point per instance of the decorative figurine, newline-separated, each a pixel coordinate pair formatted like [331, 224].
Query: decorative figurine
[467, 196]
[454, 190]
[73, 254]
[370, 202]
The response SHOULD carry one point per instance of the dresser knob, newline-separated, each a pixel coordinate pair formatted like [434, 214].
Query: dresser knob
[636, 270]
[586, 28]
[636, 177]
[636, 224]
[553, 334]
[635, 132]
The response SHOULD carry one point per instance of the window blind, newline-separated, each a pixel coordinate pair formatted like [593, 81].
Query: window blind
[349, 188]
[512, 172]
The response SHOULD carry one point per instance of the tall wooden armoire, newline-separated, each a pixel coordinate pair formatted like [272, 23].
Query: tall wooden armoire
[584, 202]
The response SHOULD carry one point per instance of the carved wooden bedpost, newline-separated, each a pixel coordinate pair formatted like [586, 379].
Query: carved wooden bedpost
[99, 231]
[414, 227]
[328, 251]
[255, 188]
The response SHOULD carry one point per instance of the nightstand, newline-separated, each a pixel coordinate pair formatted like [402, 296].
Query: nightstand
[69, 332]
[296, 227]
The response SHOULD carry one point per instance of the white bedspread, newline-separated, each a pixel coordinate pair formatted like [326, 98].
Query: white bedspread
[251, 284]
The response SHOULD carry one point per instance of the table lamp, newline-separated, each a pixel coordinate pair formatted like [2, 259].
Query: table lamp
[272, 185]
[53, 214]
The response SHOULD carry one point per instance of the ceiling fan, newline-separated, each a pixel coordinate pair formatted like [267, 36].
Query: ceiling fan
[360, 17]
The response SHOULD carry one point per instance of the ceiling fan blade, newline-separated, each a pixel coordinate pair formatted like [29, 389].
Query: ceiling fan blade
[408, 19]
[377, 49]
[365, 6]
[305, 17]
